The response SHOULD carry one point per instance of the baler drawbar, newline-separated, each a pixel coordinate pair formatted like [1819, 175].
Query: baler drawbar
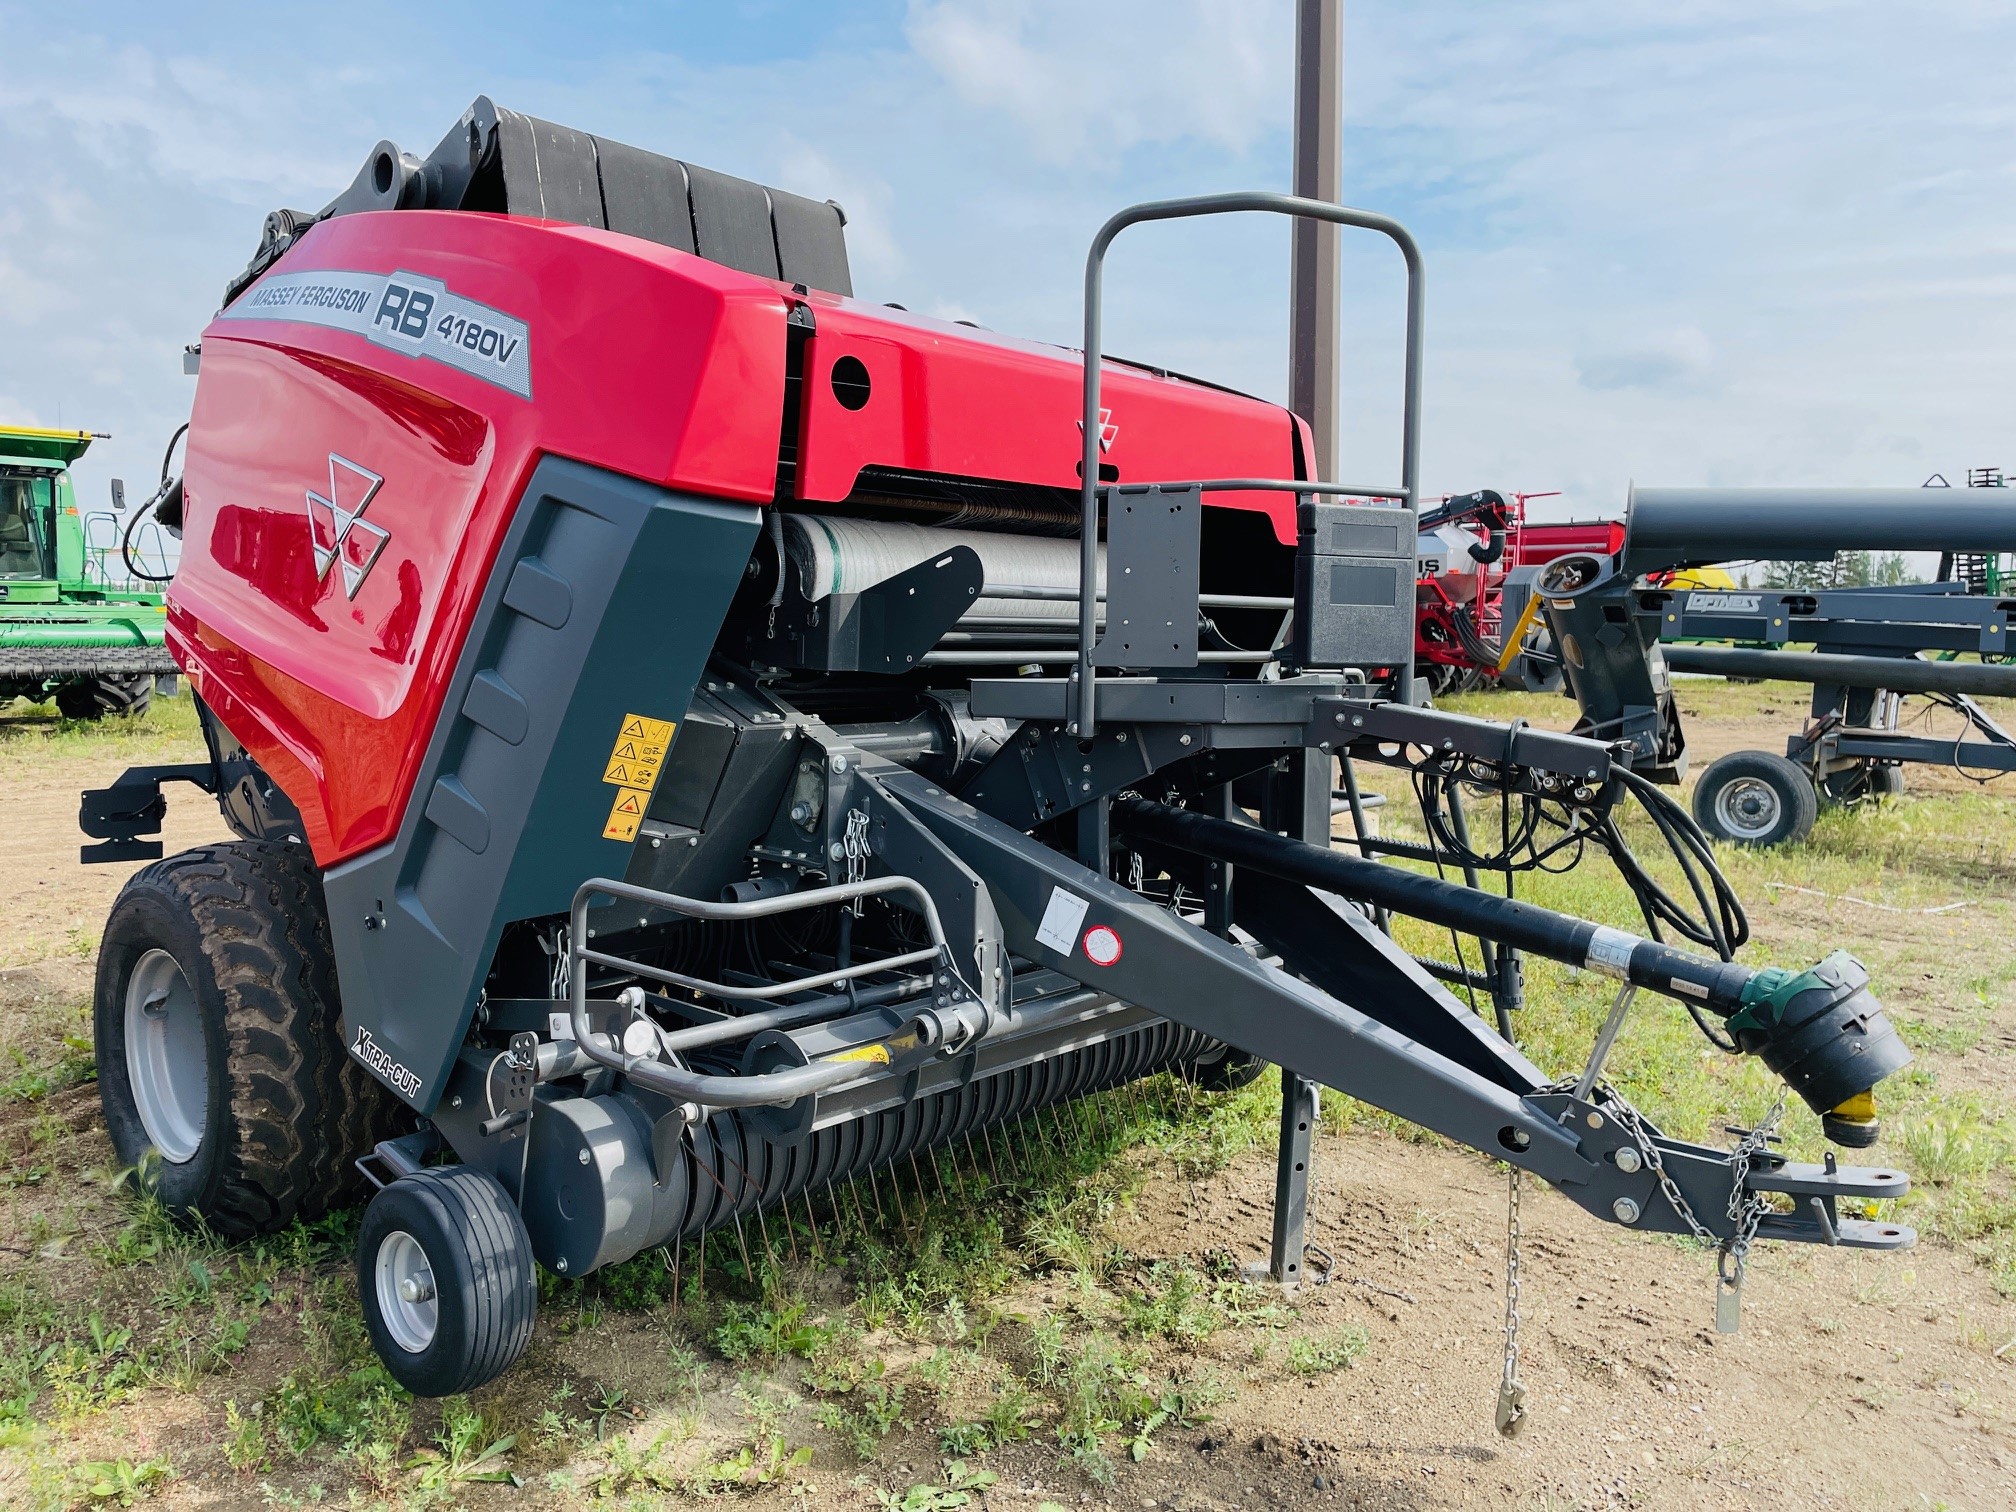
[696, 737]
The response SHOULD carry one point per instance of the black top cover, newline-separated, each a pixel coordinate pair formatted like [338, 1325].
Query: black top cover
[500, 161]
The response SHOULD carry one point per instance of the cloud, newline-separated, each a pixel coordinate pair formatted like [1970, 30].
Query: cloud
[1677, 359]
[1102, 79]
[1695, 241]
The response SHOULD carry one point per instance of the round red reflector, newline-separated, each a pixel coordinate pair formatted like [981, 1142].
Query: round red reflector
[1102, 945]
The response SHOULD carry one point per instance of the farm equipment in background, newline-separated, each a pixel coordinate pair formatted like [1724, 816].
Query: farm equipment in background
[71, 628]
[698, 738]
[1624, 621]
[1466, 546]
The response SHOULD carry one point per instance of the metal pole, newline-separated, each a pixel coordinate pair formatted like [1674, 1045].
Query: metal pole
[1313, 356]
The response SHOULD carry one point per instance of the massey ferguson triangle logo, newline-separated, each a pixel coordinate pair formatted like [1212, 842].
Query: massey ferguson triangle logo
[336, 527]
[1108, 431]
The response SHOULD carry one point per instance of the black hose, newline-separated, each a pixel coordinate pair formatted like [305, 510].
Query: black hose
[152, 506]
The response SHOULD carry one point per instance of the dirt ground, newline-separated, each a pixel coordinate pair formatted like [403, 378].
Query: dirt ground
[1858, 1381]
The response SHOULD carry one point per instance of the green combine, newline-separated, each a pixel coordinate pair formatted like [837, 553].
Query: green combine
[73, 626]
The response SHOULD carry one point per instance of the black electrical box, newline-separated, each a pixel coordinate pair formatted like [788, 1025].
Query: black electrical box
[1354, 585]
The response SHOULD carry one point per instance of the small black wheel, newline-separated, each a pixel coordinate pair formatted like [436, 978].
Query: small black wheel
[445, 1280]
[1755, 798]
[95, 697]
[1229, 1072]
[221, 1066]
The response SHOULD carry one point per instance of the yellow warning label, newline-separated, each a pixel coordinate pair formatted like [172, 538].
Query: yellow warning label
[626, 813]
[878, 1053]
[639, 752]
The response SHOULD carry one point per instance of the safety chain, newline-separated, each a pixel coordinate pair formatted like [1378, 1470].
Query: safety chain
[857, 851]
[1511, 1390]
[1747, 1209]
[560, 975]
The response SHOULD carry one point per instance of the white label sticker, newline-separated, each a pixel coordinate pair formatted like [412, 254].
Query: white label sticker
[1692, 989]
[1726, 603]
[560, 1026]
[1102, 945]
[406, 312]
[1610, 951]
[1061, 917]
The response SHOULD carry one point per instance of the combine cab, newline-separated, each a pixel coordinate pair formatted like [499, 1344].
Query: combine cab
[697, 737]
[66, 631]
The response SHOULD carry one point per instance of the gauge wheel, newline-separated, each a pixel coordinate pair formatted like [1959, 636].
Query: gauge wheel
[445, 1280]
[1756, 799]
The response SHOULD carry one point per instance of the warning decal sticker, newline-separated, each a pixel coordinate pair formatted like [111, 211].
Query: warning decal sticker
[632, 769]
[1061, 917]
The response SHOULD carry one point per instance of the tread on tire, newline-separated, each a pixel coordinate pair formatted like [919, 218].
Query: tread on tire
[246, 923]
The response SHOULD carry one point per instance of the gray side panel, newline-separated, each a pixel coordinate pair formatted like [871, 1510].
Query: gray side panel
[501, 828]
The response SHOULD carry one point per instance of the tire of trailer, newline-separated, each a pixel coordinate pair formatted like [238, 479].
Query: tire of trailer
[221, 1066]
[95, 697]
[1757, 799]
[1867, 780]
[445, 1280]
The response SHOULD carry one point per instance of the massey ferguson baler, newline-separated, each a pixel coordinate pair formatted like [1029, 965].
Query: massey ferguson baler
[698, 737]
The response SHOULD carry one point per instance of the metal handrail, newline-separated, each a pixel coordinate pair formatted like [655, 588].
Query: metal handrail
[1083, 720]
[778, 1087]
[754, 908]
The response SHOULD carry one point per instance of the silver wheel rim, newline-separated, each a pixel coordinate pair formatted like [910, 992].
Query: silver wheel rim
[166, 1063]
[1749, 808]
[406, 1299]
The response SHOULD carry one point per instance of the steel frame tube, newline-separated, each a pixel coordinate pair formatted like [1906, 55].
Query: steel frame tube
[1898, 674]
[1508, 921]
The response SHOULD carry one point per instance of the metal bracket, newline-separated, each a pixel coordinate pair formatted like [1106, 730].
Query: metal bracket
[132, 807]
[1154, 536]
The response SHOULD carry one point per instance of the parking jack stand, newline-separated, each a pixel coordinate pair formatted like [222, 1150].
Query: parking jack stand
[1300, 806]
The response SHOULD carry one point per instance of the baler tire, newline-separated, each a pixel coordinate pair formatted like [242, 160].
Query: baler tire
[95, 697]
[1782, 801]
[246, 925]
[478, 1261]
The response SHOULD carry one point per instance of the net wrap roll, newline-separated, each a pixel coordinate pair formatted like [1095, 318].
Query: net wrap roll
[833, 555]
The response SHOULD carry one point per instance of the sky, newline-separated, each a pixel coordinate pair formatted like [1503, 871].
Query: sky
[1690, 242]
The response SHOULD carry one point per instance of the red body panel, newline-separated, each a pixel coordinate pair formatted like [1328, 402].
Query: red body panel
[1539, 544]
[974, 404]
[643, 360]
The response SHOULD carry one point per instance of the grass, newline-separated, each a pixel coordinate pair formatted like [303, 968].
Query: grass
[972, 1303]
[34, 735]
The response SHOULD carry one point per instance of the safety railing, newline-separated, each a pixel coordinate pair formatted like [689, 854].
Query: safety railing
[651, 1069]
[1083, 721]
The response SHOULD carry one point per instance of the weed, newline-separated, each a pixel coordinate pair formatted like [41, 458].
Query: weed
[955, 1491]
[1010, 1417]
[1176, 1303]
[685, 1370]
[1320, 1354]
[76, 1065]
[460, 1456]
[751, 1331]
[121, 1481]
[869, 1416]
